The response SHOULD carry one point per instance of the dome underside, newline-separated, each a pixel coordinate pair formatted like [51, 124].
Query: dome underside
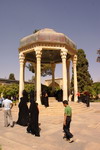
[48, 56]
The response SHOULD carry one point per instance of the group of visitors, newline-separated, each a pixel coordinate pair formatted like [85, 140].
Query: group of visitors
[84, 97]
[29, 116]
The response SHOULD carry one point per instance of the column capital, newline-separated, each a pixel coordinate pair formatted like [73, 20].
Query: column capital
[21, 57]
[38, 52]
[74, 59]
[63, 53]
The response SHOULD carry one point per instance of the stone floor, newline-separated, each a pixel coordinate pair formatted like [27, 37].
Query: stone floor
[85, 126]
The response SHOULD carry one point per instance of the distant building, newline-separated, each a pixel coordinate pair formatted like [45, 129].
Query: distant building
[7, 81]
[58, 82]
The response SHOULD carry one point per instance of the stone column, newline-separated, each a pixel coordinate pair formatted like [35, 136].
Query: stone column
[53, 76]
[21, 80]
[35, 71]
[64, 71]
[75, 78]
[24, 70]
[68, 76]
[38, 76]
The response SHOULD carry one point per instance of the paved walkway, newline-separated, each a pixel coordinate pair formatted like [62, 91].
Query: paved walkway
[85, 126]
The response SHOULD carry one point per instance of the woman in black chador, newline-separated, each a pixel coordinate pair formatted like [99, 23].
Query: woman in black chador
[23, 116]
[46, 102]
[33, 126]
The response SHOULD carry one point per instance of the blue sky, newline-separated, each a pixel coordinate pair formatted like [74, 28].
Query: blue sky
[78, 19]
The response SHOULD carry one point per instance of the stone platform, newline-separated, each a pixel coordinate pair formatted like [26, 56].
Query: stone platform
[85, 126]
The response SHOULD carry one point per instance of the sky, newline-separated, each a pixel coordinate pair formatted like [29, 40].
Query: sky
[78, 19]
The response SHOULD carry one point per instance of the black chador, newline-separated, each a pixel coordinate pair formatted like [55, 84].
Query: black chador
[23, 116]
[46, 102]
[33, 126]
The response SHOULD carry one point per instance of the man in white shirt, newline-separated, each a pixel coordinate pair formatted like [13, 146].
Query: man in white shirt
[7, 104]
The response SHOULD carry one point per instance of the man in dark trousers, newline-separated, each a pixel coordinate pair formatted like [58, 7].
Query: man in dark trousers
[67, 121]
[87, 98]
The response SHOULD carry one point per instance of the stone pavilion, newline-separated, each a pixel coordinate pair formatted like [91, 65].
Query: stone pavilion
[48, 47]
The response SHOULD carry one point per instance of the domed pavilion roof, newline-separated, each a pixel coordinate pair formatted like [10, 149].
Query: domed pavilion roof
[51, 43]
[48, 36]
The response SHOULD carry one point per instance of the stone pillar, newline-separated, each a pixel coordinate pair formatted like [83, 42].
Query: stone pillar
[38, 76]
[21, 78]
[35, 71]
[53, 76]
[68, 76]
[64, 72]
[75, 78]
[24, 70]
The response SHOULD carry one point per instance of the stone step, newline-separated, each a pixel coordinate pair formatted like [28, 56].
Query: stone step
[57, 107]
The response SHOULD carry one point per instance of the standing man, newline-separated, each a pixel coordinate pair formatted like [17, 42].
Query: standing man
[67, 121]
[7, 104]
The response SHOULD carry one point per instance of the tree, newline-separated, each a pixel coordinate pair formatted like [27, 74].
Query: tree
[13, 89]
[96, 88]
[36, 30]
[11, 76]
[83, 77]
[32, 80]
[29, 87]
[45, 69]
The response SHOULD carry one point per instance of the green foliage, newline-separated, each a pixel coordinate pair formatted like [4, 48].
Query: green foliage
[13, 89]
[91, 90]
[94, 90]
[83, 76]
[96, 87]
[11, 76]
[45, 69]
[30, 67]
[29, 87]
[36, 30]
